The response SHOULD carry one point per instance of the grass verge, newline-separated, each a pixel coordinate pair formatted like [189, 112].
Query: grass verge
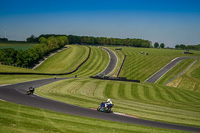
[15, 118]
[96, 63]
[148, 101]
[12, 79]
[180, 67]
[141, 66]
[189, 80]
[65, 61]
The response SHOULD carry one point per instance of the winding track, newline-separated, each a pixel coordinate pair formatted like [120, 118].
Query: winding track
[16, 93]
[155, 77]
[112, 63]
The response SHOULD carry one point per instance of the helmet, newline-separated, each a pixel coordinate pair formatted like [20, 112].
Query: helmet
[108, 100]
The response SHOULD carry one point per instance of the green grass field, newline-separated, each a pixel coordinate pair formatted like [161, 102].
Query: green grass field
[190, 80]
[15, 118]
[17, 45]
[96, 63]
[12, 79]
[65, 61]
[180, 67]
[140, 66]
[196, 70]
[148, 101]
[178, 102]
[62, 62]
[6, 68]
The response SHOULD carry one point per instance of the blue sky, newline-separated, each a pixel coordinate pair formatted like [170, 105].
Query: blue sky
[169, 21]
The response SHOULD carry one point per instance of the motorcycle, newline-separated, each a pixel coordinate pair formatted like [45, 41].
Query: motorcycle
[30, 91]
[107, 109]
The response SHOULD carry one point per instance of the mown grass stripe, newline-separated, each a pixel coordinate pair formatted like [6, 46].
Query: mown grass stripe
[128, 91]
[141, 92]
[134, 91]
[65, 61]
[115, 90]
[92, 64]
[152, 93]
[173, 96]
[95, 64]
[161, 95]
[121, 90]
[88, 89]
[183, 96]
[108, 91]
[99, 91]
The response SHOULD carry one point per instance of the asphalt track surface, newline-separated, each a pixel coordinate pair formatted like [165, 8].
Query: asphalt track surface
[112, 63]
[16, 93]
[155, 77]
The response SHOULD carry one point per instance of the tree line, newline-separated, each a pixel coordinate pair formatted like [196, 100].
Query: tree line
[189, 47]
[89, 40]
[3, 39]
[109, 41]
[28, 58]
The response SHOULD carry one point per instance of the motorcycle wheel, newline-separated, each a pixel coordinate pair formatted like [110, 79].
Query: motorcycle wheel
[28, 92]
[107, 110]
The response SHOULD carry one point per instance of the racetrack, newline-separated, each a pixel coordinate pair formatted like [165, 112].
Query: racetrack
[113, 62]
[155, 77]
[16, 93]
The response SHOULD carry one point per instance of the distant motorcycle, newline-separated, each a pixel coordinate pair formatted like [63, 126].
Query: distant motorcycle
[107, 109]
[30, 90]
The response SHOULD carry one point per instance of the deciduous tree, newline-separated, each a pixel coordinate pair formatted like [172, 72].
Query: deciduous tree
[162, 45]
[156, 45]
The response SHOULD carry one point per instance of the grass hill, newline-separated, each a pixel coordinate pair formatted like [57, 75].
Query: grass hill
[6, 68]
[62, 62]
[96, 63]
[190, 80]
[149, 101]
[178, 102]
[141, 66]
[65, 61]
[15, 118]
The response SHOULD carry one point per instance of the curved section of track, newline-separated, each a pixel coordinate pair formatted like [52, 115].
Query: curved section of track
[113, 62]
[155, 77]
[16, 93]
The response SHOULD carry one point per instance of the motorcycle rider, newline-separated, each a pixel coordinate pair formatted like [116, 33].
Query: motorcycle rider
[108, 102]
[32, 89]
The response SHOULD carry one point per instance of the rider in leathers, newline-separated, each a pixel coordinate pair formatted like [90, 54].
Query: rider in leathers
[108, 102]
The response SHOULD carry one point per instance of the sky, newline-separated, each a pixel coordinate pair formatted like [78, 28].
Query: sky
[165, 21]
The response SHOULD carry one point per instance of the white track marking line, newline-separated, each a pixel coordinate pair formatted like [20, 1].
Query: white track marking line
[110, 59]
[4, 85]
[2, 100]
[168, 71]
[118, 113]
[181, 72]
[124, 114]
